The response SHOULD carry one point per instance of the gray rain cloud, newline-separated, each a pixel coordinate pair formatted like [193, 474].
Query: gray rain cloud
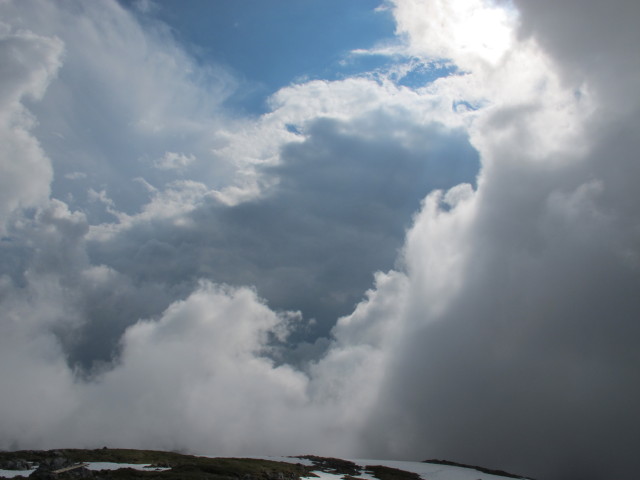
[337, 214]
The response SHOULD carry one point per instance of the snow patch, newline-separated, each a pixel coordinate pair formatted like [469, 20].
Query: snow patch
[16, 473]
[428, 471]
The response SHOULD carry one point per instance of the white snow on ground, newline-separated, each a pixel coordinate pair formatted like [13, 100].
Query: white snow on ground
[15, 473]
[326, 476]
[429, 471]
[91, 466]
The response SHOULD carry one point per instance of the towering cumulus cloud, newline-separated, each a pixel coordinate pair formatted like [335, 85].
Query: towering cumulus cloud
[374, 267]
[29, 61]
[520, 332]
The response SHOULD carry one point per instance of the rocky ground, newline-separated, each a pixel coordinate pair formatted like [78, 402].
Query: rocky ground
[71, 464]
[74, 464]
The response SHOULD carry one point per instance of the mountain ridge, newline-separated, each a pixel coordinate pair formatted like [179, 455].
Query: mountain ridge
[133, 464]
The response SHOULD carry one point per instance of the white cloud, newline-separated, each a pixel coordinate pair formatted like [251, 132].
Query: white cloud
[29, 63]
[124, 92]
[75, 175]
[256, 144]
[200, 368]
[470, 33]
[173, 160]
[196, 367]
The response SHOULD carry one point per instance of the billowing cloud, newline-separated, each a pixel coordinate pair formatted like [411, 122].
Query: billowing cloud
[471, 34]
[125, 97]
[29, 63]
[337, 214]
[163, 258]
[517, 348]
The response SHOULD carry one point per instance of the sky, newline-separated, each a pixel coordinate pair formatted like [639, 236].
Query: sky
[399, 229]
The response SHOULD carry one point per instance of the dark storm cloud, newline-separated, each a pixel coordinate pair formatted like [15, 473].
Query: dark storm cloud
[532, 364]
[343, 200]
[589, 40]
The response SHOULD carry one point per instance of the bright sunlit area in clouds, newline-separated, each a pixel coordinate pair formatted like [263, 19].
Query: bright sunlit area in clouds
[464, 30]
[399, 229]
